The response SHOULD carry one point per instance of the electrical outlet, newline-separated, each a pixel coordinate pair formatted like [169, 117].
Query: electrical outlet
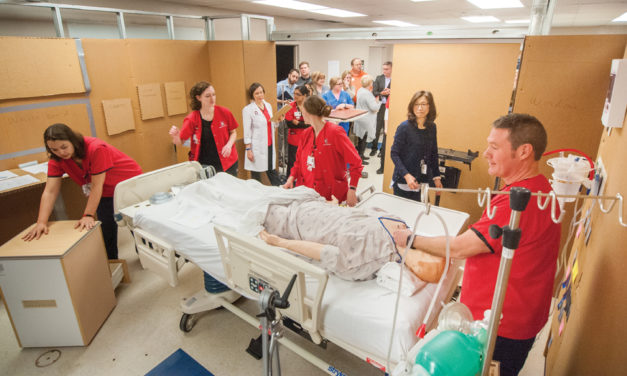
[600, 178]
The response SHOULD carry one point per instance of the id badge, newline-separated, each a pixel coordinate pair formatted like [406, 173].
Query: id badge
[86, 189]
[297, 114]
[423, 167]
[311, 163]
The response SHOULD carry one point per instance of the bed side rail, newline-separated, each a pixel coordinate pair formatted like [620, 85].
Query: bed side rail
[251, 265]
[158, 256]
[141, 187]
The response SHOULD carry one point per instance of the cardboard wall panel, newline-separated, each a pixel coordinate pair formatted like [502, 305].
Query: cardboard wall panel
[34, 67]
[592, 341]
[472, 85]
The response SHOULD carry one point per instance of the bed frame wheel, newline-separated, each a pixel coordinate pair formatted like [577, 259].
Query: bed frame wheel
[187, 322]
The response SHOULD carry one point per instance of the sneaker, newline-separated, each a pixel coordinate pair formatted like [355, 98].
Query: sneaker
[364, 163]
[379, 155]
[364, 175]
[380, 171]
[373, 152]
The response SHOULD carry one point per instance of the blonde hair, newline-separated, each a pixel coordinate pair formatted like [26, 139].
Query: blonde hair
[334, 81]
[366, 81]
[315, 76]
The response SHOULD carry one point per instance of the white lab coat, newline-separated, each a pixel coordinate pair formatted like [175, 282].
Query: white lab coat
[256, 134]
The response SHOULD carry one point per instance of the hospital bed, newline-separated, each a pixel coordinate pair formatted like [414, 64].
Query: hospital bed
[357, 316]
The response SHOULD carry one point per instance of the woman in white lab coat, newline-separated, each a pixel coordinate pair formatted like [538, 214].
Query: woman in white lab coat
[259, 136]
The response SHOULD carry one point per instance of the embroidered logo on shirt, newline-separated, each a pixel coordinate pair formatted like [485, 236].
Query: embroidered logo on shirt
[195, 137]
[222, 124]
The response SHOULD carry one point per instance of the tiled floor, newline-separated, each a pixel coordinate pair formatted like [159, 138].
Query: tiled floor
[144, 329]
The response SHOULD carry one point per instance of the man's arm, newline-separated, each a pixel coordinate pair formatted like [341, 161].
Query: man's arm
[462, 246]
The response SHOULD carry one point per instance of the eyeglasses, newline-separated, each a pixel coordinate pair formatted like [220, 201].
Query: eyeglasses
[423, 105]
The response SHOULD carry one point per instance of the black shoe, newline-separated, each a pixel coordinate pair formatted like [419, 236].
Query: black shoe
[364, 158]
[364, 163]
[379, 171]
[373, 152]
[379, 155]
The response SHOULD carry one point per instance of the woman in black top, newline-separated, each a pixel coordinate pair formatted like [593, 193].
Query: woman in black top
[415, 148]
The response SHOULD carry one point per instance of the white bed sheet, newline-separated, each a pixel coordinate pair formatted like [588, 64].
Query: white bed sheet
[356, 313]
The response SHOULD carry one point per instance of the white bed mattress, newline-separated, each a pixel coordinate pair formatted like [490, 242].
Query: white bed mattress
[356, 313]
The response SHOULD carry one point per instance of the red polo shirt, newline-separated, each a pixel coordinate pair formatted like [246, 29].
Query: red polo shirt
[99, 157]
[529, 290]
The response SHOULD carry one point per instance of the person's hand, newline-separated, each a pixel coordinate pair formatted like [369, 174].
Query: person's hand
[36, 232]
[226, 150]
[174, 131]
[250, 155]
[86, 223]
[438, 184]
[295, 122]
[269, 238]
[386, 91]
[411, 181]
[401, 236]
[351, 198]
[289, 184]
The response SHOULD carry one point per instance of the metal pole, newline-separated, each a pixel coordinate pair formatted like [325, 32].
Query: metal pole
[170, 22]
[121, 25]
[210, 32]
[245, 23]
[519, 198]
[58, 22]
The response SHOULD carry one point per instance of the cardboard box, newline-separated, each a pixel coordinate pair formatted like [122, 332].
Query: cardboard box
[57, 290]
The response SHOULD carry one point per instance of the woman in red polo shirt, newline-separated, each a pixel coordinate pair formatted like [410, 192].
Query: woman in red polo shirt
[212, 131]
[93, 164]
[295, 123]
[322, 155]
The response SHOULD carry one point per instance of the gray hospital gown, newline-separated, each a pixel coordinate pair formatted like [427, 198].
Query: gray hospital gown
[356, 243]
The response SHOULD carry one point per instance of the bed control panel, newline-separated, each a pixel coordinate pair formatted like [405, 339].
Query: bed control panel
[257, 284]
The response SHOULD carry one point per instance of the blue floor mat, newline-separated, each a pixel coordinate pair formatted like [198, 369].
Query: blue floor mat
[179, 363]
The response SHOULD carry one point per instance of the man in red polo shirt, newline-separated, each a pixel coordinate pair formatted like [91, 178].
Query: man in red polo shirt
[515, 145]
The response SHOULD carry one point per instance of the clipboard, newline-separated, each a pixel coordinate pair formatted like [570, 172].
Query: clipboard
[277, 115]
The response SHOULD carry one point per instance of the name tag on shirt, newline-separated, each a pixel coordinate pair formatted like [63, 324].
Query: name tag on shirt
[311, 162]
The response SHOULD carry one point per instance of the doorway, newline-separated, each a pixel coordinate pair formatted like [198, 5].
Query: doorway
[285, 60]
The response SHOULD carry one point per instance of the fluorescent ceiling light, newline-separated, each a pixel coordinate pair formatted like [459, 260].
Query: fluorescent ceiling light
[420, 1]
[336, 12]
[517, 21]
[622, 18]
[479, 19]
[290, 4]
[496, 4]
[396, 23]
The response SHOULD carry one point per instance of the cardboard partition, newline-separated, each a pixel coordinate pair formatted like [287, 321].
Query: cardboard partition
[34, 67]
[471, 85]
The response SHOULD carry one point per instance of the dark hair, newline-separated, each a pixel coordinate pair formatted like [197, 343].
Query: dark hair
[61, 132]
[388, 63]
[315, 105]
[196, 90]
[252, 88]
[410, 107]
[303, 89]
[293, 70]
[524, 129]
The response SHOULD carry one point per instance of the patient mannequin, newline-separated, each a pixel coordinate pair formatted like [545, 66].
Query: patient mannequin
[352, 243]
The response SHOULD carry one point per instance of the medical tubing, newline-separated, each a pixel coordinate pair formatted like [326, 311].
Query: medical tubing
[591, 174]
[438, 288]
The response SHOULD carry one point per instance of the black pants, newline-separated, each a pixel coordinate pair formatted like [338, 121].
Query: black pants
[291, 157]
[379, 129]
[361, 145]
[383, 153]
[232, 170]
[109, 227]
[512, 354]
[273, 176]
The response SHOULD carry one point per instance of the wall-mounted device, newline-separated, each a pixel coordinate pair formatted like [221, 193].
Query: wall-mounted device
[616, 100]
